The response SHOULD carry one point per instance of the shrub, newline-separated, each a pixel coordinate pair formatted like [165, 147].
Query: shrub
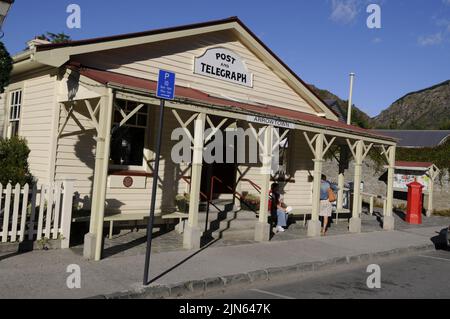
[250, 201]
[14, 162]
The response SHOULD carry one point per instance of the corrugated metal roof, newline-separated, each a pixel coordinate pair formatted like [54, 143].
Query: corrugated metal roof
[417, 139]
[413, 164]
[112, 78]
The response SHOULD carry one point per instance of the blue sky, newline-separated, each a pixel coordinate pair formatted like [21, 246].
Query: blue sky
[322, 40]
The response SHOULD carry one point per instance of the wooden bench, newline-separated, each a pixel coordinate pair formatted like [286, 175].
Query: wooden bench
[182, 217]
[301, 212]
[123, 218]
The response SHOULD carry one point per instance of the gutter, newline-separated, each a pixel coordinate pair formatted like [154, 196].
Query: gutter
[25, 55]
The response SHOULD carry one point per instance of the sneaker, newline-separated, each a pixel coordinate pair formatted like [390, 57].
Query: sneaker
[280, 229]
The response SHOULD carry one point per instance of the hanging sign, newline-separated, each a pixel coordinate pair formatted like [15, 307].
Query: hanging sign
[269, 121]
[225, 65]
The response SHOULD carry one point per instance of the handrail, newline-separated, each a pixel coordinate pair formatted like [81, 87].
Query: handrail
[186, 179]
[255, 186]
[236, 194]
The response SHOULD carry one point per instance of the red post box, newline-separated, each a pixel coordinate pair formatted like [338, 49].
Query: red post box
[415, 203]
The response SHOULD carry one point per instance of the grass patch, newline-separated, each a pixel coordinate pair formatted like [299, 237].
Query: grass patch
[442, 213]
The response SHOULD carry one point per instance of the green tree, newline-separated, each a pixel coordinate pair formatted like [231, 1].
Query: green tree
[55, 37]
[5, 67]
[14, 154]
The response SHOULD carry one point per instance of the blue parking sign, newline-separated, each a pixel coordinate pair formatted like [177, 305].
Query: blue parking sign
[166, 85]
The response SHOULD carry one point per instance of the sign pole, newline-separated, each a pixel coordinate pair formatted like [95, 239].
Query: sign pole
[154, 190]
[165, 91]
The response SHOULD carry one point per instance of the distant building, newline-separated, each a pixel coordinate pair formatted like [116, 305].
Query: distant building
[417, 139]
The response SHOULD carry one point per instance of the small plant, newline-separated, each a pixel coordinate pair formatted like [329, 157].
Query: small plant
[182, 202]
[43, 243]
[442, 213]
[250, 201]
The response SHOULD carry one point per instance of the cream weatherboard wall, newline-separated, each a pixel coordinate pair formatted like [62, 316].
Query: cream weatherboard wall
[144, 61]
[75, 155]
[37, 123]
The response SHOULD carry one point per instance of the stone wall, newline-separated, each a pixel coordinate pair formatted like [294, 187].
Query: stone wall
[374, 182]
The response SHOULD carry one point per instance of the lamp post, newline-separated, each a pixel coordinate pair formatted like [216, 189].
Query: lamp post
[5, 5]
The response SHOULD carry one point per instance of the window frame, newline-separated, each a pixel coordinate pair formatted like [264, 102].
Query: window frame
[9, 104]
[143, 166]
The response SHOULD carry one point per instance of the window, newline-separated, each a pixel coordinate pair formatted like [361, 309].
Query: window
[14, 112]
[128, 141]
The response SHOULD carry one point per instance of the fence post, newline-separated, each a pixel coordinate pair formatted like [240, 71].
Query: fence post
[371, 205]
[6, 214]
[66, 214]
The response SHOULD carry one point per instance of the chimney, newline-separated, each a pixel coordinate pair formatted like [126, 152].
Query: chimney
[36, 42]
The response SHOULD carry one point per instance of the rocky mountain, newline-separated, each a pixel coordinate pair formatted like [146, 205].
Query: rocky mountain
[358, 118]
[428, 109]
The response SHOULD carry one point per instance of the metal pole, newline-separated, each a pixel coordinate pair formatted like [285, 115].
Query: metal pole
[209, 192]
[350, 100]
[154, 190]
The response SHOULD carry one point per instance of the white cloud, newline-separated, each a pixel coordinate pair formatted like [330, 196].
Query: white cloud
[447, 2]
[377, 40]
[344, 11]
[433, 39]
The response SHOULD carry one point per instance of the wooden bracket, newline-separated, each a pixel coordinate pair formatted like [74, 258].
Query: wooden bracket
[311, 142]
[215, 129]
[92, 114]
[185, 124]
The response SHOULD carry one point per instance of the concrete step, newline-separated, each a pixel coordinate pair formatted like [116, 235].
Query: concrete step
[234, 234]
[232, 225]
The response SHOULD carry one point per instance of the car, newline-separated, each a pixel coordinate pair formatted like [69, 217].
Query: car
[447, 237]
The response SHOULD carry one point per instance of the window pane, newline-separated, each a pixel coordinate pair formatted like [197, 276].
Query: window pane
[14, 128]
[121, 103]
[142, 120]
[127, 146]
[144, 109]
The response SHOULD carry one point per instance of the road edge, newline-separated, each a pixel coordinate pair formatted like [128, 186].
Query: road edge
[216, 284]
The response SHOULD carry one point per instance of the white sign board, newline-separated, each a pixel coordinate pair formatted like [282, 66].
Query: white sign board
[269, 121]
[404, 177]
[225, 65]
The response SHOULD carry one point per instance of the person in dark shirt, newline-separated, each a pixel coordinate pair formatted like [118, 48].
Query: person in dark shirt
[278, 210]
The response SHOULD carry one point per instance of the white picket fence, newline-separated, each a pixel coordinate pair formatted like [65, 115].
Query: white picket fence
[37, 212]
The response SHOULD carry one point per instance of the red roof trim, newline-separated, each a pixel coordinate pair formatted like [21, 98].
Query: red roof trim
[413, 164]
[106, 77]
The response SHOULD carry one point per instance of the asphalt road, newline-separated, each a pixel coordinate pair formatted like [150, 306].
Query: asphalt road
[417, 276]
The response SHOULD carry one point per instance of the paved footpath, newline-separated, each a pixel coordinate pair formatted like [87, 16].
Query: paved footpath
[42, 274]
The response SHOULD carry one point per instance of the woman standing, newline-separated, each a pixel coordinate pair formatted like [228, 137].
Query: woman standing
[326, 208]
